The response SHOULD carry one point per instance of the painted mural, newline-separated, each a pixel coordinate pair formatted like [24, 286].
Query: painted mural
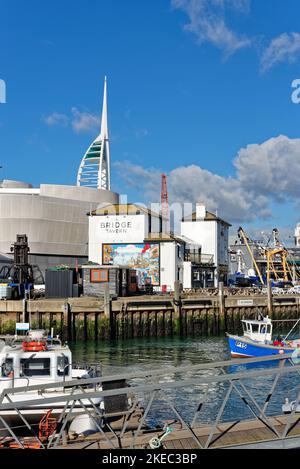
[144, 258]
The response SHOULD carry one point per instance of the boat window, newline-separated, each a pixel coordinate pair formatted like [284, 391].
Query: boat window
[35, 366]
[248, 327]
[63, 366]
[269, 329]
[255, 328]
[7, 367]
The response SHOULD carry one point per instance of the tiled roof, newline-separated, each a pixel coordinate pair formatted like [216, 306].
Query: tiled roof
[123, 209]
[208, 217]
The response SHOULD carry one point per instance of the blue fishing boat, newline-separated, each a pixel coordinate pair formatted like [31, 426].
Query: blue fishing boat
[257, 340]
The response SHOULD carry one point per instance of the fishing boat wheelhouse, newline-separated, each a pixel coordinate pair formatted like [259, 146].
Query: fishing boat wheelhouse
[258, 331]
[257, 340]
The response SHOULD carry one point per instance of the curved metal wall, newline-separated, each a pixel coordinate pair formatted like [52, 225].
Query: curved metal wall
[55, 221]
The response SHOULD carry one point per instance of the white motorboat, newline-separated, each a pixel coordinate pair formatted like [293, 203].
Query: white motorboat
[38, 359]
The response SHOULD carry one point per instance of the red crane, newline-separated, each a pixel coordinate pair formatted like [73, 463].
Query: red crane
[165, 201]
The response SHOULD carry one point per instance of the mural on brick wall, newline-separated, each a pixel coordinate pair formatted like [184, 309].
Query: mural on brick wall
[144, 258]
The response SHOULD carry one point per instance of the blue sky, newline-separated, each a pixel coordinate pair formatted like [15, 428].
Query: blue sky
[191, 84]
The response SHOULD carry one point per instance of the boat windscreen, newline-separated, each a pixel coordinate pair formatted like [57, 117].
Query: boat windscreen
[35, 366]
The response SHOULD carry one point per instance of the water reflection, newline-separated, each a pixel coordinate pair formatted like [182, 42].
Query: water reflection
[149, 354]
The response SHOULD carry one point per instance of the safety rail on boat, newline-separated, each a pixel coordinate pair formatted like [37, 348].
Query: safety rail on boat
[97, 367]
[93, 370]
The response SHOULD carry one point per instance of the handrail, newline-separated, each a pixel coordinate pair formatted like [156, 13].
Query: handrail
[148, 388]
[161, 372]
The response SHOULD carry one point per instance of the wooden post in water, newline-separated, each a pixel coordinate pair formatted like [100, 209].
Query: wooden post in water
[177, 306]
[85, 331]
[25, 315]
[50, 321]
[270, 299]
[73, 320]
[40, 320]
[108, 311]
[221, 301]
[69, 320]
[62, 325]
[96, 327]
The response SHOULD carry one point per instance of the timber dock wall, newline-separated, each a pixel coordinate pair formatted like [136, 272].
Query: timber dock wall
[148, 316]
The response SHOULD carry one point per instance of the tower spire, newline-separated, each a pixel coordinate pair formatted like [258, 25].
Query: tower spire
[94, 170]
[104, 123]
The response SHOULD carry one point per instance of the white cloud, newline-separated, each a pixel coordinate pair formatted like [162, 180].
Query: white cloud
[271, 168]
[141, 133]
[207, 21]
[56, 119]
[265, 172]
[79, 121]
[84, 121]
[284, 48]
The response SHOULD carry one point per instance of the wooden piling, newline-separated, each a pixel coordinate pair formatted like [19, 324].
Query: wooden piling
[177, 308]
[108, 313]
[96, 327]
[85, 330]
[270, 299]
[73, 333]
[40, 315]
[221, 299]
[146, 317]
[69, 321]
[61, 326]
[25, 313]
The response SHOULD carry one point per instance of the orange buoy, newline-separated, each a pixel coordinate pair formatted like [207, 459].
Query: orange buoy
[34, 346]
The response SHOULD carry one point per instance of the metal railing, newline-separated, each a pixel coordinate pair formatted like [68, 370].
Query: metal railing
[198, 258]
[160, 391]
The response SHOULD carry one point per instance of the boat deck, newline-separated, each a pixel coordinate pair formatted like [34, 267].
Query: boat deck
[251, 433]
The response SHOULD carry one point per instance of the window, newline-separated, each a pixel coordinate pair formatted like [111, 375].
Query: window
[7, 367]
[196, 276]
[99, 275]
[255, 328]
[35, 366]
[63, 366]
[178, 251]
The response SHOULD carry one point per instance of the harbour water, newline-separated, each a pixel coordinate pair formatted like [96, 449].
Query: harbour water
[142, 355]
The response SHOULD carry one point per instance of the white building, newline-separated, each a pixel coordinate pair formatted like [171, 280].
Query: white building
[129, 235]
[206, 261]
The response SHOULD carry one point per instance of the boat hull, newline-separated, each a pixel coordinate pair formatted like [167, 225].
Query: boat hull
[245, 348]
